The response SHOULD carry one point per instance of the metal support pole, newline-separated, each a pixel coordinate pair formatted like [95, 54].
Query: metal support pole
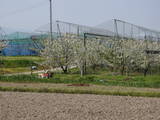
[132, 31]
[146, 56]
[85, 64]
[116, 28]
[116, 43]
[51, 31]
[78, 31]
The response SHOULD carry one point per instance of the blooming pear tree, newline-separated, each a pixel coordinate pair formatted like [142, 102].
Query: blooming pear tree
[59, 52]
[125, 55]
[131, 55]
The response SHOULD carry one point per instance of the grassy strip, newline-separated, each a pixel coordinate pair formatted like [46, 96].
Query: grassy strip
[115, 93]
[17, 63]
[99, 79]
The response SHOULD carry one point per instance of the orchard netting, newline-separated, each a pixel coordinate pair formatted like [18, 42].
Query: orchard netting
[118, 45]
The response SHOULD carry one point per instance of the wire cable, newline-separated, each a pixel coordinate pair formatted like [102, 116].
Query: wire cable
[24, 9]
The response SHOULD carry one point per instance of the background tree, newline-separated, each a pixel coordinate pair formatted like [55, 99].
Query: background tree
[59, 52]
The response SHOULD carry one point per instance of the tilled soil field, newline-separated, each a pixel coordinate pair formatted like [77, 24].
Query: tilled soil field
[44, 106]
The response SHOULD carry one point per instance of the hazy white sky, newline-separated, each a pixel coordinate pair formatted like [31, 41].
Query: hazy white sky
[30, 14]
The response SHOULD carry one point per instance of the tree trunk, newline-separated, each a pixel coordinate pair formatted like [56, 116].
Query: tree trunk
[82, 73]
[145, 71]
[94, 67]
[65, 69]
[122, 70]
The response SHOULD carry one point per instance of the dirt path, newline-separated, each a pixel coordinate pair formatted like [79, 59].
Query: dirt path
[36, 72]
[44, 106]
[91, 87]
[28, 73]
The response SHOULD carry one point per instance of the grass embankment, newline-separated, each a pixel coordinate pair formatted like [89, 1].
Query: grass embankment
[81, 91]
[101, 78]
[18, 64]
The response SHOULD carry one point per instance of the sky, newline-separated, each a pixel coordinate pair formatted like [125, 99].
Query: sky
[28, 15]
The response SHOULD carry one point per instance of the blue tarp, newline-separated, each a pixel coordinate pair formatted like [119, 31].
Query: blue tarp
[18, 51]
[21, 44]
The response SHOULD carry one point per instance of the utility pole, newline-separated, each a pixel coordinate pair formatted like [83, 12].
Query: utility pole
[51, 31]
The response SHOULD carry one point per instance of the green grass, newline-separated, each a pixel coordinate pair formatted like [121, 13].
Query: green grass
[14, 70]
[78, 91]
[33, 58]
[18, 64]
[98, 79]
[101, 77]
[20, 61]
